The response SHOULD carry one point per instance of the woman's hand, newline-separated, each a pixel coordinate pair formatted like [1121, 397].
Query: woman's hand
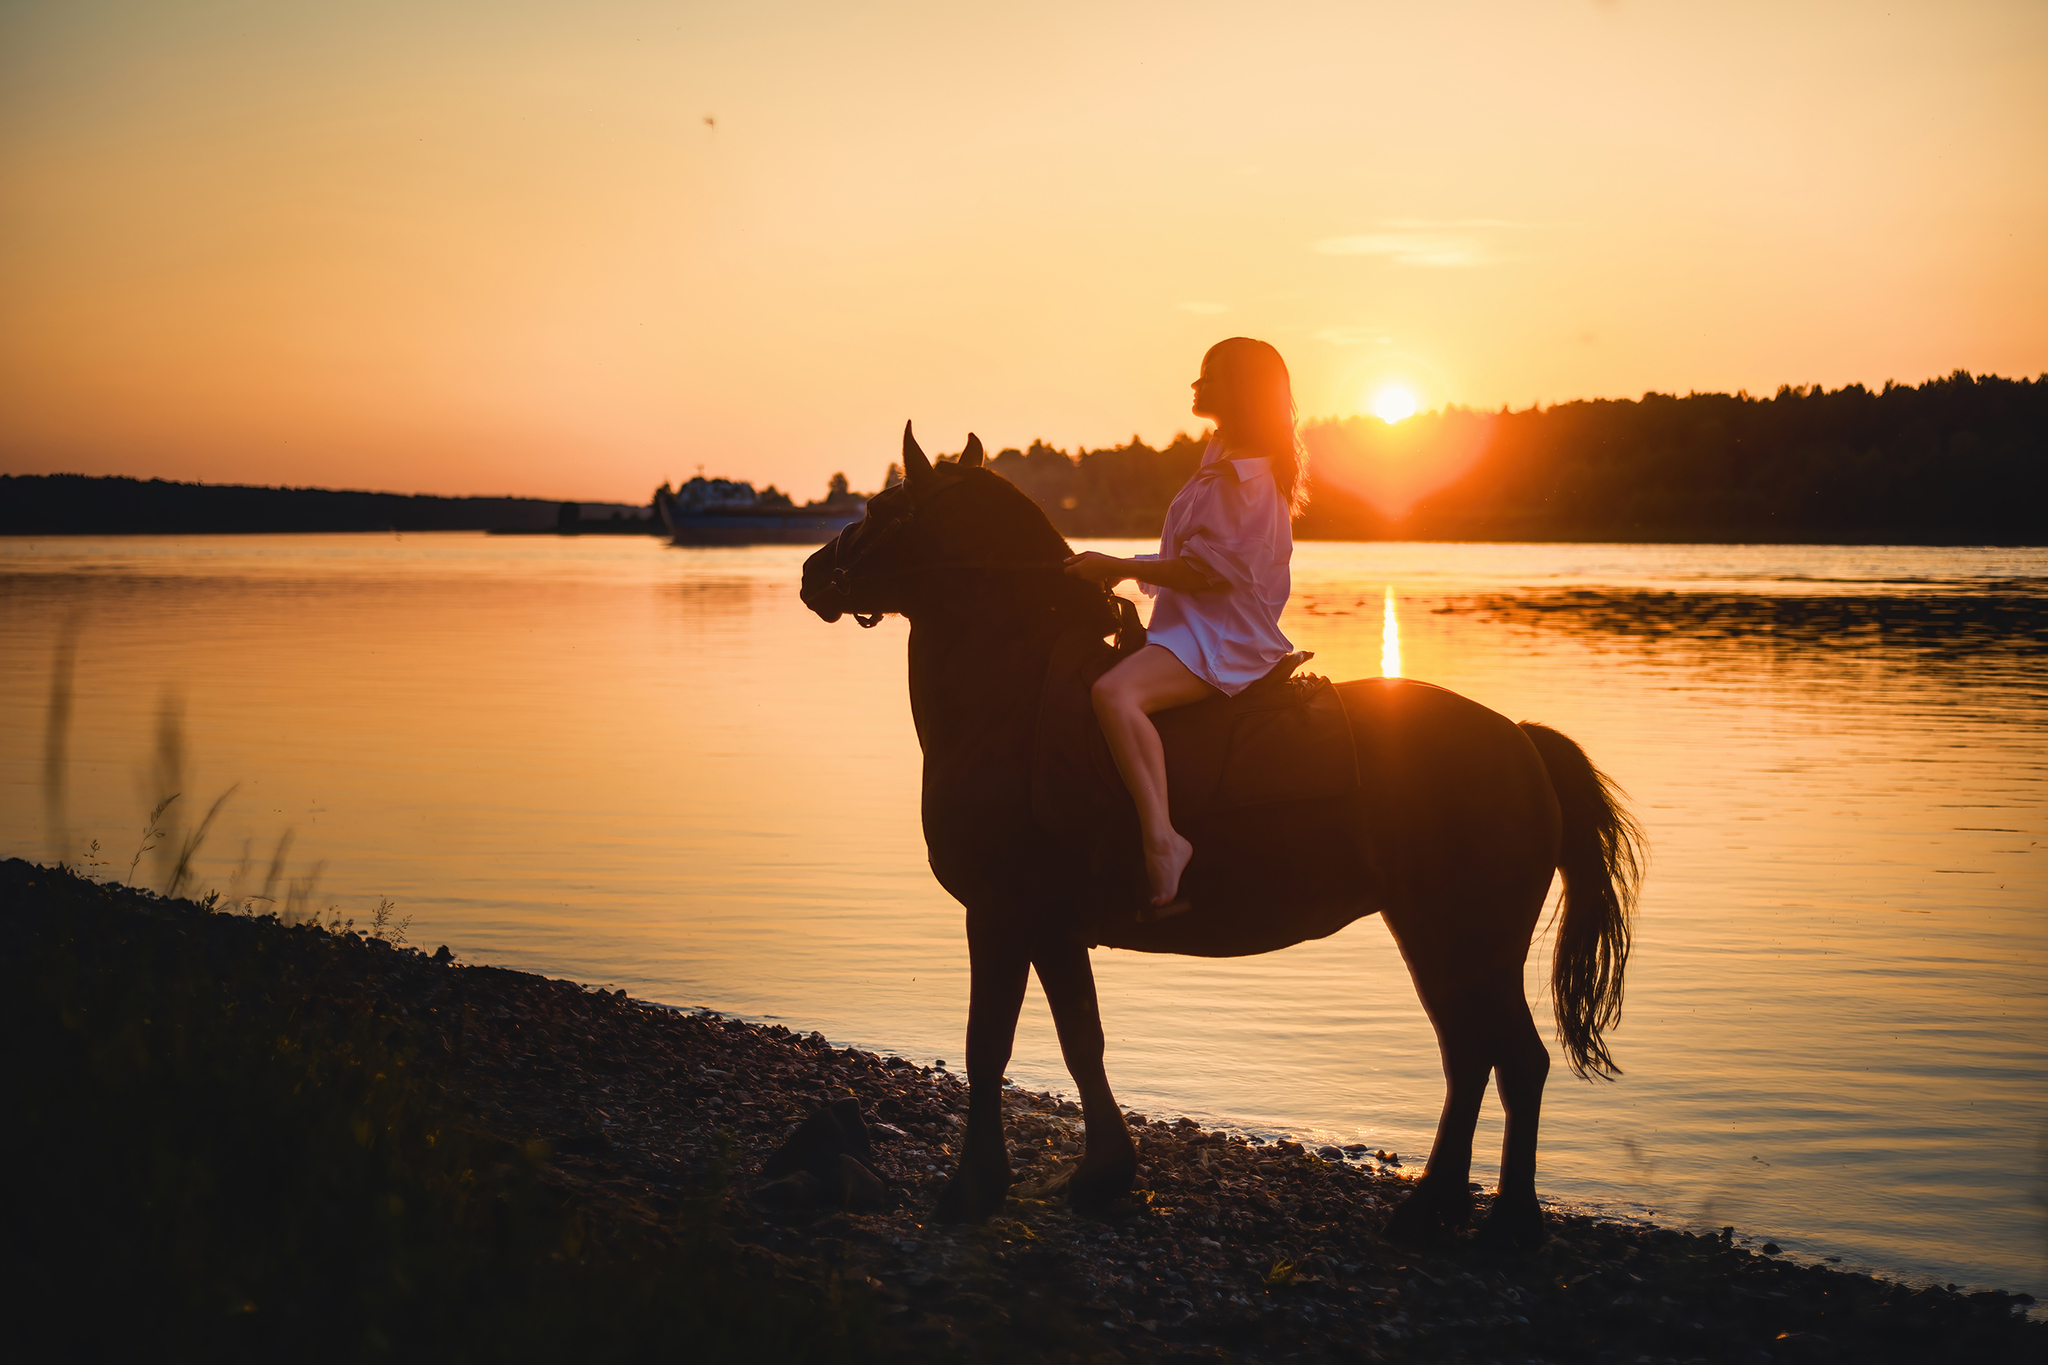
[1107, 570]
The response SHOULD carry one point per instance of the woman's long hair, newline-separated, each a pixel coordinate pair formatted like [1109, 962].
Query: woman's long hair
[1261, 397]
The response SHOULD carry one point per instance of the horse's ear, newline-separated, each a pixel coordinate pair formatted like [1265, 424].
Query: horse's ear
[916, 468]
[971, 457]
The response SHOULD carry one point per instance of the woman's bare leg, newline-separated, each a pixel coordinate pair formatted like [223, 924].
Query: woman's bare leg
[1125, 698]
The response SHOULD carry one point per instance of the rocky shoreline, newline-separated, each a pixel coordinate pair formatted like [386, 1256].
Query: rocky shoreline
[647, 1117]
[1228, 1249]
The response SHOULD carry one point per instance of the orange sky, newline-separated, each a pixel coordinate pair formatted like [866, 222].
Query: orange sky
[496, 247]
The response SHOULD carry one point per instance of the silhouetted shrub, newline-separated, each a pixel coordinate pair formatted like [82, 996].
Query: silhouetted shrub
[228, 1141]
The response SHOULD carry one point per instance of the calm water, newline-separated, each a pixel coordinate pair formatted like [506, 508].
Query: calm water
[625, 763]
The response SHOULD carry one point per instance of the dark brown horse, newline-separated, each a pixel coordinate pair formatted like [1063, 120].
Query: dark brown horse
[1461, 819]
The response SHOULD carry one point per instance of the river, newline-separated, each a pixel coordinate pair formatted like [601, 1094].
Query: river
[626, 763]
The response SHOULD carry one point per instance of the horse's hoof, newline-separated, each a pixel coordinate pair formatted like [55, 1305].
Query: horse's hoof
[957, 1204]
[1513, 1225]
[1092, 1188]
[972, 1198]
[1426, 1217]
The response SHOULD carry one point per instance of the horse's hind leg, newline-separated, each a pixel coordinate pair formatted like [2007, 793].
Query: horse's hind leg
[1001, 966]
[1442, 1198]
[1111, 1159]
[1521, 1064]
[1483, 1027]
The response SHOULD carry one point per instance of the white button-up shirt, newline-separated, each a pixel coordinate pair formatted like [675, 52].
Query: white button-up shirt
[1229, 523]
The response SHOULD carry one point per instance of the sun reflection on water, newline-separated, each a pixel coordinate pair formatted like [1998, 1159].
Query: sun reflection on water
[1390, 638]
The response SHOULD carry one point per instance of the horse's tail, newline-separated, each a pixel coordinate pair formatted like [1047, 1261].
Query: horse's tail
[1601, 857]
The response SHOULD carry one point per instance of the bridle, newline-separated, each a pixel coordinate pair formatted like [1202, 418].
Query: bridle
[1129, 632]
[841, 578]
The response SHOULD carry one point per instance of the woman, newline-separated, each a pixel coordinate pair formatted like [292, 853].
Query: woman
[1220, 578]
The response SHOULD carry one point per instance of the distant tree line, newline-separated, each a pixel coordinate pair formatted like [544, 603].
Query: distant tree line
[1952, 460]
[78, 504]
[1117, 491]
[75, 504]
[1957, 460]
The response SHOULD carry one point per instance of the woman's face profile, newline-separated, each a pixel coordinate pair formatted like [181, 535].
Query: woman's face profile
[1210, 393]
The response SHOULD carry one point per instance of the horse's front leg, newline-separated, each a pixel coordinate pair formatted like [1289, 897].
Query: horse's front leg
[1111, 1160]
[1000, 965]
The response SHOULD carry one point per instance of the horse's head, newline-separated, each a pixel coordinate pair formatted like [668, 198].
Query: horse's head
[944, 523]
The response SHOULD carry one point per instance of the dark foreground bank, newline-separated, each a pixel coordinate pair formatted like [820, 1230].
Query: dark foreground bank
[237, 1138]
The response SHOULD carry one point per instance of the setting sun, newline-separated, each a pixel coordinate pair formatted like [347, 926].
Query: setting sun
[1393, 404]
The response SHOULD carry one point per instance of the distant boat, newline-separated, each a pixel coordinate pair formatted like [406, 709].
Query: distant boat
[723, 512]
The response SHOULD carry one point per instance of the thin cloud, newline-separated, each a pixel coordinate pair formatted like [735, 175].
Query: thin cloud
[1206, 307]
[1449, 244]
[1353, 336]
[1453, 224]
[1409, 248]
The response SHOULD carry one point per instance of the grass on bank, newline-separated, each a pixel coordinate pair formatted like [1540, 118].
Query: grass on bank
[229, 1139]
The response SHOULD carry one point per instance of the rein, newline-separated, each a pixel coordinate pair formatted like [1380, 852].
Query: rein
[1130, 634]
[843, 565]
[869, 621]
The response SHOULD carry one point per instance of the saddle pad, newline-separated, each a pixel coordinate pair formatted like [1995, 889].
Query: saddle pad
[1281, 739]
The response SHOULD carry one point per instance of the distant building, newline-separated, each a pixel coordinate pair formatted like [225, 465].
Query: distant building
[701, 494]
[729, 512]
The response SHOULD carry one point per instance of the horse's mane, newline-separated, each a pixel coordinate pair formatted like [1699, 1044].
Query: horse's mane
[1012, 529]
[1030, 521]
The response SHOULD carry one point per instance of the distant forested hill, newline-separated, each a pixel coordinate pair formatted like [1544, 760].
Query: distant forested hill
[1956, 460]
[1960, 459]
[74, 504]
[1953, 461]
[1118, 491]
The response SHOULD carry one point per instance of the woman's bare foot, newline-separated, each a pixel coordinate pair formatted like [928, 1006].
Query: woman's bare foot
[1163, 868]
